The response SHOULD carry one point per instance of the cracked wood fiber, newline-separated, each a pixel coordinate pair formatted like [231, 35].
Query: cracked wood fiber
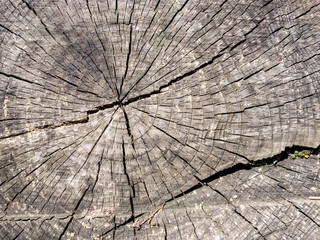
[144, 119]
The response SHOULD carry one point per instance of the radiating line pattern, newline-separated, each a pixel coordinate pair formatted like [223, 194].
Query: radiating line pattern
[111, 108]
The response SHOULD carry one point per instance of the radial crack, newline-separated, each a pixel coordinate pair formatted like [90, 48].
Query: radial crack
[35, 13]
[127, 61]
[174, 16]
[73, 212]
[251, 224]
[132, 193]
[306, 215]
[239, 167]
[128, 127]
[177, 79]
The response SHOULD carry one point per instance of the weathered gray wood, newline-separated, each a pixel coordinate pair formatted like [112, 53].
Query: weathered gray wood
[108, 109]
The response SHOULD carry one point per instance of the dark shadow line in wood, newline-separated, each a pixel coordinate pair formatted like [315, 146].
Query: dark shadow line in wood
[241, 166]
[272, 162]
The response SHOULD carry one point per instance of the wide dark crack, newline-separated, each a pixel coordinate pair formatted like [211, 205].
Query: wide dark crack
[120, 103]
[271, 161]
[129, 182]
[128, 126]
[156, 94]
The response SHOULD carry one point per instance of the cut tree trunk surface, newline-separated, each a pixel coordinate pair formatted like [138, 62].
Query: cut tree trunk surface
[159, 119]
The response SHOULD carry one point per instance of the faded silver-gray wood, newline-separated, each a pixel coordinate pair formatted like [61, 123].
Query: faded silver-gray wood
[110, 108]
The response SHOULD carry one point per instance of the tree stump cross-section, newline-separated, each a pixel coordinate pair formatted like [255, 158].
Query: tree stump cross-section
[131, 119]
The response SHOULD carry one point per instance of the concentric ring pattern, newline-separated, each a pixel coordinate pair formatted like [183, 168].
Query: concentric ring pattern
[110, 108]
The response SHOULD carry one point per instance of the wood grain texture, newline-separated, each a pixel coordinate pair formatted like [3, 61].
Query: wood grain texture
[108, 109]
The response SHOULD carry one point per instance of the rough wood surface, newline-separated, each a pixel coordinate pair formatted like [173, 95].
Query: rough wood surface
[109, 109]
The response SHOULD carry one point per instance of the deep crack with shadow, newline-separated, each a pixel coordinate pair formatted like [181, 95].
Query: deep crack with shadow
[274, 160]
